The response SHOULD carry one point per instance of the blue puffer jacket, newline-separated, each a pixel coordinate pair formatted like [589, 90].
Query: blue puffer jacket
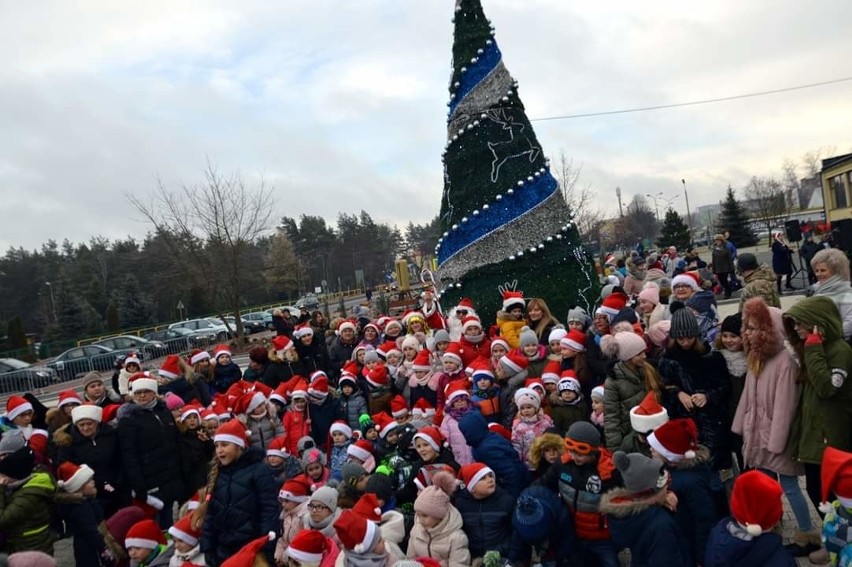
[225, 376]
[487, 522]
[496, 452]
[352, 408]
[725, 549]
[243, 507]
[552, 536]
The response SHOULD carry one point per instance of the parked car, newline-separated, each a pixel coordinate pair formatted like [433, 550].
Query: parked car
[19, 376]
[80, 360]
[263, 317]
[250, 327]
[152, 349]
[179, 340]
[309, 302]
[206, 326]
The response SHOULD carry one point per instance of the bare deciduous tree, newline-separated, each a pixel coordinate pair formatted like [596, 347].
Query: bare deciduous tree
[579, 198]
[767, 199]
[209, 229]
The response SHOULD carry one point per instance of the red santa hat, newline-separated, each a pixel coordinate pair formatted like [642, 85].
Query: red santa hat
[473, 473]
[514, 362]
[373, 326]
[466, 304]
[319, 386]
[71, 477]
[68, 397]
[398, 406]
[384, 423]
[145, 534]
[143, 381]
[431, 435]
[527, 396]
[512, 299]
[222, 406]
[612, 304]
[347, 324]
[360, 449]
[183, 530]
[232, 432]
[536, 385]
[648, 415]
[368, 507]
[303, 330]
[756, 502]
[190, 409]
[471, 321]
[246, 556]
[262, 388]
[109, 413]
[423, 409]
[500, 430]
[307, 547]
[278, 447]
[453, 353]
[690, 279]
[170, 367]
[38, 441]
[551, 372]
[300, 389]
[426, 475]
[378, 376]
[455, 389]
[676, 440]
[356, 533]
[341, 427]
[836, 475]
[346, 377]
[16, 405]
[248, 402]
[221, 350]
[481, 369]
[391, 322]
[281, 344]
[388, 348]
[294, 490]
[87, 411]
[197, 355]
[422, 362]
[193, 502]
[575, 340]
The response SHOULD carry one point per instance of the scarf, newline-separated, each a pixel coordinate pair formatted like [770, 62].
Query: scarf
[736, 361]
[457, 413]
[414, 381]
[597, 419]
[353, 559]
[149, 405]
[258, 417]
[322, 525]
[534, 419]
[485, 394]
[475, 340]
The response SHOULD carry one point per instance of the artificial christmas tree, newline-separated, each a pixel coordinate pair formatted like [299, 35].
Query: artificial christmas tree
[503, 216]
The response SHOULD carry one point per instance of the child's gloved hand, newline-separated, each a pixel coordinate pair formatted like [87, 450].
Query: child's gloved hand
[814, 338]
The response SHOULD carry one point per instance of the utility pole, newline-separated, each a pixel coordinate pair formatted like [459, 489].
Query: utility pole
[688, 215]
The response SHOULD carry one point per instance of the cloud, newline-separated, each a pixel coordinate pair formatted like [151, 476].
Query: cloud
[342, 105]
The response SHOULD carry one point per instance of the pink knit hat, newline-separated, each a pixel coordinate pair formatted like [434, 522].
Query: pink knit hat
[625, 345]
[650, 293]
[434, 500]
[659, 332]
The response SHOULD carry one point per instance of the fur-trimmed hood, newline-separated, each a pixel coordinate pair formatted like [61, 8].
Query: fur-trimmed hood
[769, 339]
[621, 503]
[62, 436]
[542, 444]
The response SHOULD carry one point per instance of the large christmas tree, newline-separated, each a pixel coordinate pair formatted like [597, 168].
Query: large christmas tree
[503, 216]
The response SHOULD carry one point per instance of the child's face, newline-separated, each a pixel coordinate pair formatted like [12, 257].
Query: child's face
[555, 347]
[211, 425]
[527, 410]
[685, 342]
[416, 327]
[483, 383]
[138, 554]
[485, 487]
[638, 360]
[314, 471]
[575, 326]
[498, 350]
[516, 312]
[410, 353]
[427, 522]
[732, 342]
[24, 419]
[420, 374]
[371, 434]
[394, 359]
[597, 405]
[442, 346]
[551, 455]
[360, 356]
[568, 395]
[227, 452]
[347, 389]
[583, 459]
[402, 419]
[450, 366]
[646, 306]
[473, 331]
[67, 408]
[568, 352]
[223, 359]
[181, 546]
[530, 350]
[392, 436]
[549, 387]
[306, 340]
[288, 505]
[338, 438]
[260, 411]
[274, 461]
[425, 450]
[460, 402]
[191, 422]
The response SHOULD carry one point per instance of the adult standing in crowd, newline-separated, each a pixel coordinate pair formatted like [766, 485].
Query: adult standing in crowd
[782, 262]
[540, 319]
[281, 322]
[831, 267]
[759, 281]
[723, 263]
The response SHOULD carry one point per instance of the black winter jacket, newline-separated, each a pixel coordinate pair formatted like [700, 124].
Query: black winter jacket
[339, 353]
[487, 522]
[313, 357]
[322, 416]
[82, 520]
[197, 455]
[188, 391]
[273, 373]
[243, 507]
[225, 376]
[151, 451]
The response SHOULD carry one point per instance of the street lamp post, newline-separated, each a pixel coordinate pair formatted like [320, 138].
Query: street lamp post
[52, 300]
[656, 208]
[688, 215]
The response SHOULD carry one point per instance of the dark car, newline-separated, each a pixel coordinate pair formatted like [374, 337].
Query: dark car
[130, 343]
[250, 326]
[309, 302]
[80, 360]
[179, 340]
[19, 376]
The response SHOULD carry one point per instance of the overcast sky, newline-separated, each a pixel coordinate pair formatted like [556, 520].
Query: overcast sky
[341, 105]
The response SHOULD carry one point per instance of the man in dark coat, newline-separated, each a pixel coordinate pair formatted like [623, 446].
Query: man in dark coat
[151, 449]
[341, 349]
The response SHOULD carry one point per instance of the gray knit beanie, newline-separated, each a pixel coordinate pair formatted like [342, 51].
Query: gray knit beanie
[684, 324]
[640, 473]
[371, 355]
[327, 496]
[351, 472]
[441, 336]
[528, 337]
[578, 314]
[584, 432]
[11, 441]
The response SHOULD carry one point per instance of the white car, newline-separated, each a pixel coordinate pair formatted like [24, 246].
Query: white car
[204, 327]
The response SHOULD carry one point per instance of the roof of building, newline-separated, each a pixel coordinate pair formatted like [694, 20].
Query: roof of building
[836, 160]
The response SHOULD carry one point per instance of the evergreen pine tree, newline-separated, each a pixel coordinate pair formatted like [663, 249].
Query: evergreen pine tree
[674, 231]
[135, 307]
[502, 215]
[735, 220]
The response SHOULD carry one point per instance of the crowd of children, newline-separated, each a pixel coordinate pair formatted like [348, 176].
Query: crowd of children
[451, 446]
